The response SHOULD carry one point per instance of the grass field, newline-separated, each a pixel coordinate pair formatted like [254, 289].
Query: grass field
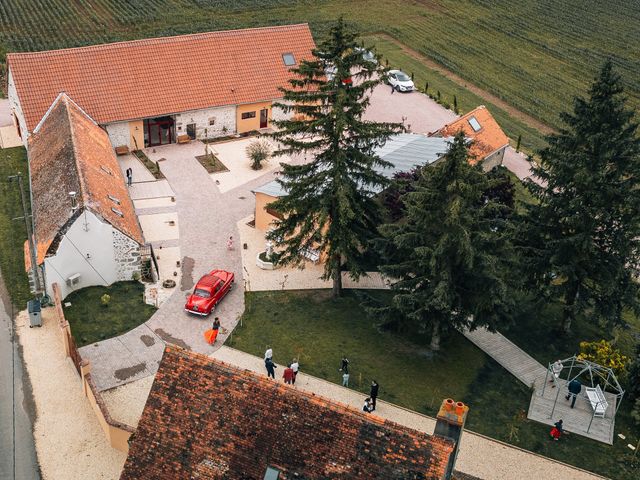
[318, 330]
[12, 232]
[91, 321]
[534, 55]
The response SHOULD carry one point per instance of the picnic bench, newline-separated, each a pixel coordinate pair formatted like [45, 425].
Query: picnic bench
[311, 254]
[122, 150]
[597, 400]
[183, 139]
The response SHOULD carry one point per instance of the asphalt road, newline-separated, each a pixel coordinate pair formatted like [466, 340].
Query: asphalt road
[24, 464]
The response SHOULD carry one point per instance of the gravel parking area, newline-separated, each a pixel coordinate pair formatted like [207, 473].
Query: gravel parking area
[417, 111]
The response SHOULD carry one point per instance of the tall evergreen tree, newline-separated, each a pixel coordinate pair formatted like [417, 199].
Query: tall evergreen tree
[586, 227]
[448, 253]
[330, 202]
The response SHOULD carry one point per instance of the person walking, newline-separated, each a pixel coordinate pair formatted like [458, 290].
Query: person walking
[288, 375]
[556, 368]
[373, 393]
[344, 365]
[575, 387]
[270, 366]
[345, 380]
[268, 354]
[129, 176]
[230, 243]
[295, 366]
[216, 324]
[367, 406]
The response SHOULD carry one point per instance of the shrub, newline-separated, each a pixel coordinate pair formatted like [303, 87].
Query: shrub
[135, 276]
[258, 151]
[604, 354]
[105, 299]
[633, 380]
[635, 412]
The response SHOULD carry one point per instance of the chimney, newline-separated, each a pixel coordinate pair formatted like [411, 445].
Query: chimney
[450, 424]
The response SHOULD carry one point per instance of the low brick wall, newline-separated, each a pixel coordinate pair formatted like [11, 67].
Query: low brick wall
[116, 432]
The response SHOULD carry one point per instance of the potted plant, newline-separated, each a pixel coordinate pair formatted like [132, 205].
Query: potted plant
[258, 151]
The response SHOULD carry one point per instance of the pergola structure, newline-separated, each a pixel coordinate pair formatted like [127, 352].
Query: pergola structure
[599, 380]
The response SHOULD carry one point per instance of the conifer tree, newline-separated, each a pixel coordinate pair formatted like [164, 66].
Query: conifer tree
[448, 253]
[330, 204]
[585, 229]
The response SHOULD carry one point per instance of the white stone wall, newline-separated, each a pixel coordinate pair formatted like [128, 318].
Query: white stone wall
[118, 133]
[279, 114]
[14, 104]
[87, 249]
[222, 116]
[126, 255]
[493, 160]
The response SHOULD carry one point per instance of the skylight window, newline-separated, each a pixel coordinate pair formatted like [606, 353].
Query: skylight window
[288, 59]
[474, 124]
[114, 199]
[106, 170]
[117, 212]
[272, 474]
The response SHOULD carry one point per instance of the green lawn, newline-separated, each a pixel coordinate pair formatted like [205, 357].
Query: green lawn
[319, 330]
[12, 232]
[91, 321]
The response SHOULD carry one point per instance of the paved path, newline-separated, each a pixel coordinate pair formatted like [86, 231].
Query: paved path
[479, 455]
[207, 218]
[515, 360]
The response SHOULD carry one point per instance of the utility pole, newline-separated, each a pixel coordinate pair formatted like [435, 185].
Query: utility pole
[27, 224]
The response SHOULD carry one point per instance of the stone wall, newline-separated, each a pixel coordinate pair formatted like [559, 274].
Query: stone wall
[126, 253]
[279, 114]
[118, 133]
[210, 122]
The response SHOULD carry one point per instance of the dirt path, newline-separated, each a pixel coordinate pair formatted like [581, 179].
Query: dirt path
[511, 110]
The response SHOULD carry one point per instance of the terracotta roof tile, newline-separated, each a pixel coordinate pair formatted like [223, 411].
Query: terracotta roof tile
[69, 152]
[159, 76]
[206, 419]
[487, 140]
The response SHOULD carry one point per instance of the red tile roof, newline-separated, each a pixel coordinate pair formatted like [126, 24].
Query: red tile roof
[206, 419]
[69, 152]
[487, 140]
[159, 76]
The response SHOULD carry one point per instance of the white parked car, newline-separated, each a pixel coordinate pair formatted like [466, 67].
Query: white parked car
[400, 81]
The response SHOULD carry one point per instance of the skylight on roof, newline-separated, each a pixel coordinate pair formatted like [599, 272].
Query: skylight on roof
[114, 199]
[106, 170]
[117, 212]
[272, 474]
[288, 59]
[474, 124]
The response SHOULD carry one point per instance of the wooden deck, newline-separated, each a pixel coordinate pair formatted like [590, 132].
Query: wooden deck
[515, 360]
[575, 420]
[530, 372]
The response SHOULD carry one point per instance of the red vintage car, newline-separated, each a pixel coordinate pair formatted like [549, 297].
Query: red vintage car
[209, 291]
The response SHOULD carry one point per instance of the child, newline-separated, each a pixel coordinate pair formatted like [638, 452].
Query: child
[557, 430]
[367, 407]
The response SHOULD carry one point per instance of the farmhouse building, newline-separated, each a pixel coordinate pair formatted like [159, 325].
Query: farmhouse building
[85, 228]
[488, 141]
[150, 92]
[210, 420]
[404, 152]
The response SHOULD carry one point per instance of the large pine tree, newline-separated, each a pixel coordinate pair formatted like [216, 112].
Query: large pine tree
[330, 204]
[586, 227]
[449, 252]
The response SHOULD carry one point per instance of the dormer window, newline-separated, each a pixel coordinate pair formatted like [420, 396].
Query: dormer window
[288, 59]
[474, 124]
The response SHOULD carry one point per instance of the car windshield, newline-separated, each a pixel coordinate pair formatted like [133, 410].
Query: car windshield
[201, 293]
[402, 77]
[219, 278]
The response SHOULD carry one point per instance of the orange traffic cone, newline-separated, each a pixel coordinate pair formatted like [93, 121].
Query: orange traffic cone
[211, 335]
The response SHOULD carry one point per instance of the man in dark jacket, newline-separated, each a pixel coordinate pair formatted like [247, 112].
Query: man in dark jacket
[270, 366]
[374, 394]
[575, 387]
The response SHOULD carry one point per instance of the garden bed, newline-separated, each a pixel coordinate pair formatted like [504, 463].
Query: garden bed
[211, 163]
[153, 167]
